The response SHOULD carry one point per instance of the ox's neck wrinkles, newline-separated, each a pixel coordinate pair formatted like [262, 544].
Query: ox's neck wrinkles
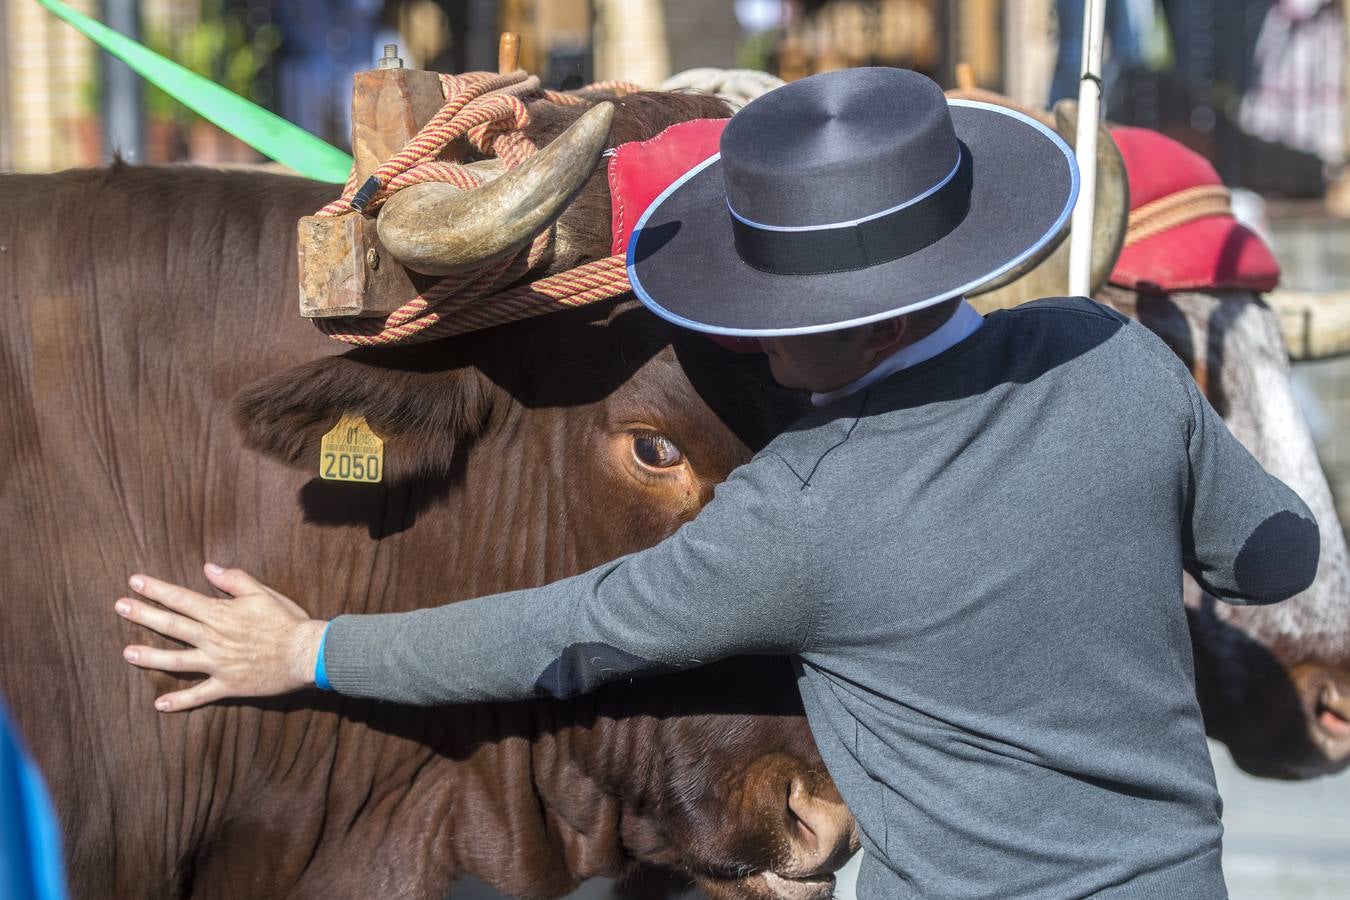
[138, 301]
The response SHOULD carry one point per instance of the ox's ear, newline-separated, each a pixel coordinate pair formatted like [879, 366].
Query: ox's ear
[425, 408]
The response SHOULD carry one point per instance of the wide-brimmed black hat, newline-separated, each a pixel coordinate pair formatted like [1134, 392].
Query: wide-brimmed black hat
[849, 197]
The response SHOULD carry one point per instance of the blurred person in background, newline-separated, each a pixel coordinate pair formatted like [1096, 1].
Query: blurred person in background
[1125, 20]
[1299, 95]
[1297, 98]
[324, 43]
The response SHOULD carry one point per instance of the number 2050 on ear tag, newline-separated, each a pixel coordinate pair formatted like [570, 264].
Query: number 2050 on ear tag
[351, 452]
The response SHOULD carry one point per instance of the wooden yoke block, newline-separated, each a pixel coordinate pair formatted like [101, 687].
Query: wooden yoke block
[389, 107]
[345, 270]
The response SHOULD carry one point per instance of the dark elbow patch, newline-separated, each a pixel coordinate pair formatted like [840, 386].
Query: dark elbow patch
[1279, 559]
[584, 667]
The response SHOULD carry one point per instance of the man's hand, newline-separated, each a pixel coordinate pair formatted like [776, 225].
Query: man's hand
[257, 644]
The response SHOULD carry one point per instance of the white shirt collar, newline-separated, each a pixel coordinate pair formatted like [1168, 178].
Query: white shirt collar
[963, 323]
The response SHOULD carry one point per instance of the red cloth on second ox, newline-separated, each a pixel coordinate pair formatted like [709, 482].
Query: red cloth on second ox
[640, 171]
[1208, 253]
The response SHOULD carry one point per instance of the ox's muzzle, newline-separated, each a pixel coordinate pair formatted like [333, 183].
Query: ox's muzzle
[1325, 692]
[814, 832]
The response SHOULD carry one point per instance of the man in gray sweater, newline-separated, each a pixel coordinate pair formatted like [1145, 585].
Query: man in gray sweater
[973, 547]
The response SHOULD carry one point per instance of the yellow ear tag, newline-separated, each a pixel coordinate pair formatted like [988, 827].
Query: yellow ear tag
[351, 452]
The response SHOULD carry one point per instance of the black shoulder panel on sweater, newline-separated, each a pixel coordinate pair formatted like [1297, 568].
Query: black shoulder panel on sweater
[581, 668]
[1278, 559]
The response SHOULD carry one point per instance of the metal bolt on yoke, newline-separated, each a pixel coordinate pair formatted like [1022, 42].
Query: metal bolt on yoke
[390, 60]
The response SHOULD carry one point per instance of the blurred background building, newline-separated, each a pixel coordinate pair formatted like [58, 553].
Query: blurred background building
[1258, 86]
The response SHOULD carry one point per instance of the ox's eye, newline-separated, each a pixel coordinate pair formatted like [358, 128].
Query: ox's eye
[656, 450]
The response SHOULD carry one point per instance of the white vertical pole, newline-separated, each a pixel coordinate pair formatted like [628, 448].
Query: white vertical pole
[1089, 116]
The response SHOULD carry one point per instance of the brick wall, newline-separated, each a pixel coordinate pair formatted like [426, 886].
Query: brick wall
[648, 40]
[630, 41]
[700, 33]
[50, 117]
[1030, 43]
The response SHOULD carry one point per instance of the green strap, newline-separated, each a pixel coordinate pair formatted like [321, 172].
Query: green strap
[265, 131]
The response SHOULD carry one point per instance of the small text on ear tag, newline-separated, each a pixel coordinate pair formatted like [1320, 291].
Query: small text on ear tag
[351, 452]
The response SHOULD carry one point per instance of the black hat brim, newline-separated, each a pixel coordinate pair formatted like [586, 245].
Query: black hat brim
[682, 259]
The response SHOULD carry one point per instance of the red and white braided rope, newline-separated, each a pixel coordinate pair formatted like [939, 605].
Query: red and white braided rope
[490, 112]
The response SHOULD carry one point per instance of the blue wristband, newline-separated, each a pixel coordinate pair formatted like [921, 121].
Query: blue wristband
[320, 673]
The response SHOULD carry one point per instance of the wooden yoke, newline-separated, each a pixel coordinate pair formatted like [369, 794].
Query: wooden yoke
[344, 269]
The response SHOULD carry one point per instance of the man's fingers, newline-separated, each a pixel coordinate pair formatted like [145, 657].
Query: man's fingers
[200, 694]
[237, 582]
[167, 660]
[260, 643]
[169, 624]
[232, 581]
[179, 599]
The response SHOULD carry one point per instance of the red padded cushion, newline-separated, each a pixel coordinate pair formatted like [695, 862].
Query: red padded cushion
[1209, 253]
[640, 170]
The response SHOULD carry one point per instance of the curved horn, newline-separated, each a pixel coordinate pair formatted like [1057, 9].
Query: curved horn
[1047, 273]
[437, 229]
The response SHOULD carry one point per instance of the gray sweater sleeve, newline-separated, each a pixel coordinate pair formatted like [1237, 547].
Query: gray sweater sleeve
[731, 581]
[1248, 537]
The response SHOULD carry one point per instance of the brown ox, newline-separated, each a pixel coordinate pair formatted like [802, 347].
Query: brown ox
[138, 304]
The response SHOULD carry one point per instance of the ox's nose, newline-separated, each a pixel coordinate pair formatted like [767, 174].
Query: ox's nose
[793, 810]
[1333, 712]
[821, 829]
[1326, 693]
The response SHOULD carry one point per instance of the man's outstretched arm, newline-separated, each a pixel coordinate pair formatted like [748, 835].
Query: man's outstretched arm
[732, 581]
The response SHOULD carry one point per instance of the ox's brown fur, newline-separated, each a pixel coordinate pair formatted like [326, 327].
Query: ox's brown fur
[138, 304]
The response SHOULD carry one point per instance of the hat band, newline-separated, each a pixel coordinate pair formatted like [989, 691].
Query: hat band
[860, 244]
